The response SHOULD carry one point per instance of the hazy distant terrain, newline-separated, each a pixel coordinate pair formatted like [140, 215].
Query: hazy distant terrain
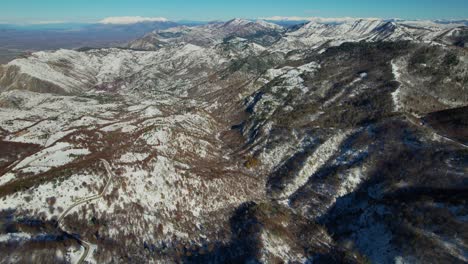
[16, 40]
[7, 55]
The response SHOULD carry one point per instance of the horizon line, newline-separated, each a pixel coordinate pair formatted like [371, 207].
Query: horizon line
[128, 20]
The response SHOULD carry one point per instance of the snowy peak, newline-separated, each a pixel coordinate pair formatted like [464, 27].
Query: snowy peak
[309, 35]
[266, 24]
[355, 28]
[260, 32]
[315, 34]
[236, 22]
[365, 26]
[243, 24]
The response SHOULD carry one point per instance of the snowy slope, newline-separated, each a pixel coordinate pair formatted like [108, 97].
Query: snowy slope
[240, 142]
[74, 71]
[210, 34]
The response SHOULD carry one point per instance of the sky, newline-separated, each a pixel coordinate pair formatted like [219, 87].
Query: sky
[41, 11]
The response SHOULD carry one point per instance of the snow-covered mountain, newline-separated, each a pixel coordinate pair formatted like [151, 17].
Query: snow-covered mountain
[240, 142]
[67, 71]
[259, 31]
[309, 35]
[315, 34]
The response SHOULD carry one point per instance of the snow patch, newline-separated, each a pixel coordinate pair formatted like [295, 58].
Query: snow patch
[323, 153]
[397, 93]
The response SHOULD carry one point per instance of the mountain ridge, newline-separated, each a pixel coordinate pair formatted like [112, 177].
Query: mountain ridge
[239, 141]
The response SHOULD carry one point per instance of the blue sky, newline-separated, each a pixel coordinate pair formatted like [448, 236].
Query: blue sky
[24, 11]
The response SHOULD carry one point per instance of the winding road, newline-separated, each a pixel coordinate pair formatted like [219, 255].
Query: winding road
[85, 244]
[417, 122]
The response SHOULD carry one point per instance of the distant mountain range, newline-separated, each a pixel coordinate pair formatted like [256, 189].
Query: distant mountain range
[312, 34]
[74, 35]
[18, 38]
[15, 39]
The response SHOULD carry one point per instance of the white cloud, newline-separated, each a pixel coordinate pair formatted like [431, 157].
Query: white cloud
[316, 19]
[131, 20]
